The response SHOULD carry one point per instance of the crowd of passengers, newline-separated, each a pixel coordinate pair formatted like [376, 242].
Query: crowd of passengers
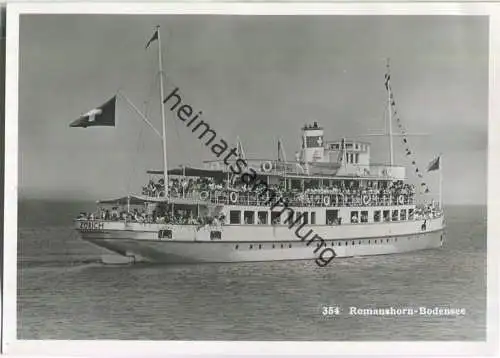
[185, 217]
[186, 187]
[180, 187]
[179, 217]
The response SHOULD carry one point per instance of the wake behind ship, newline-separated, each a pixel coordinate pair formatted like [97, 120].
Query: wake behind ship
[329, 202]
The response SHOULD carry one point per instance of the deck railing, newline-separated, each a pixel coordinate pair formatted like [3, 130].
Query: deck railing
[298, 199]
[413, 217]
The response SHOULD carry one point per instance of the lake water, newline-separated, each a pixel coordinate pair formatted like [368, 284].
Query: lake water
[65, 293]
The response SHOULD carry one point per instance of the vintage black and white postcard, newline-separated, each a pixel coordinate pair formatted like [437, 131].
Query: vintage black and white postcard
[280, 178]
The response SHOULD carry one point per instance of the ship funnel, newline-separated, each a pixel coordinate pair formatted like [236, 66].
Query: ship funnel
[312, 143]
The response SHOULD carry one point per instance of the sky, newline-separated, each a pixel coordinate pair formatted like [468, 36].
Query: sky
[256, 77]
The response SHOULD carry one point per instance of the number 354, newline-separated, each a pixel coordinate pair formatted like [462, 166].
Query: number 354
[330, 310]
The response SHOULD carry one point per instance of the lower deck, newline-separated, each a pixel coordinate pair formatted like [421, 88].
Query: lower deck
[189, 243]
[251, 233]
[323, 253]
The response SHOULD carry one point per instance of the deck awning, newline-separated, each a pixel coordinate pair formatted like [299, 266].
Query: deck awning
[141, 200]
[192, 172]
[134, 200]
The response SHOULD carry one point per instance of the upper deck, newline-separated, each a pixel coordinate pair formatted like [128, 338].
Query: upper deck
[300, 170]
[319, 159]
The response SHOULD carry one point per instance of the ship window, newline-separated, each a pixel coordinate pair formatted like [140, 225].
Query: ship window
[297, 215]
[281, 245]
[387, 216]
[369, 241]
[357, 158]
[332, 217]
[313, 218]
[376, 216]
[375, 241]
[234, 216]
[165, 234]
[215, 235]
[364, 216]
[262, 217]
[306, 217]
[260, 247]
[249, 217]
[352, 242]
[289, 246]
[387, 240]
[354, 217]
[402, 215]
[359, 242]
[346, 243]
[274, 246]
[394, 215]
[236, 247]
[251, 247]
[275, 217]
[410, 214]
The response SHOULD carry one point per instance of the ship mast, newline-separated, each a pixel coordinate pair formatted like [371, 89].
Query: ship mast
[163, 120]
[389, 117]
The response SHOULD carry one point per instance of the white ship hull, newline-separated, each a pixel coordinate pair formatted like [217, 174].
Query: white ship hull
[239, 243]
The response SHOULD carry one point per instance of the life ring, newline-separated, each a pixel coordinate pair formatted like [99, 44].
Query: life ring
[204, 195]
[233, 197]
[366, 200]
[326, 200]
[267, 167]
[401, 200]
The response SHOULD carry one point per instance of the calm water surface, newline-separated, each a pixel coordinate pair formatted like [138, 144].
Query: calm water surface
[64, 293]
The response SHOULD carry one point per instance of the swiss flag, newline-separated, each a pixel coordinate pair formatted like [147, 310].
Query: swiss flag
[101, 116]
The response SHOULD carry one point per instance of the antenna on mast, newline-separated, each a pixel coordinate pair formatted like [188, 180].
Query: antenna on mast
[389, 105]
[281, 151]
[239, 148]
[163, 120]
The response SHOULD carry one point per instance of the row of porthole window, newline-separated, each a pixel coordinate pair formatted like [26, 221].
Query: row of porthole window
[360, 242]
[260, 246]
[346, 243]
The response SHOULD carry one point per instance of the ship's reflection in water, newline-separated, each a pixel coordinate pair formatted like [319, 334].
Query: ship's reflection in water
[64, 293]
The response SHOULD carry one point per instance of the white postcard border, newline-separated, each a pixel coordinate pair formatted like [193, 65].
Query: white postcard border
[140, 348]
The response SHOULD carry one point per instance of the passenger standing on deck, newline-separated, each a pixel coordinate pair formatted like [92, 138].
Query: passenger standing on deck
[114, 213]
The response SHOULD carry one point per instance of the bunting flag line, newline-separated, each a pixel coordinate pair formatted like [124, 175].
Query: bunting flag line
[433, 165]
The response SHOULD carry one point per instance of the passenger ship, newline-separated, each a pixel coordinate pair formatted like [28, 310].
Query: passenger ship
[349, 206]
